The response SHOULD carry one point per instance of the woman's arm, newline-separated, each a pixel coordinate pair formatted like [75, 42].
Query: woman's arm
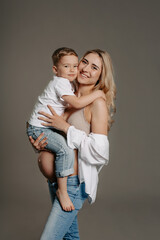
[93, 148]
[99, 117]
[54, 120]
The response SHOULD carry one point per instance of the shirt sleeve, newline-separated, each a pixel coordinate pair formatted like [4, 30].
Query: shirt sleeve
[64, 87]
[93, 148]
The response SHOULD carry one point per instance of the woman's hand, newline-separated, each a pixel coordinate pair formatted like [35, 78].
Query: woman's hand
[39, 144]
[54, 120]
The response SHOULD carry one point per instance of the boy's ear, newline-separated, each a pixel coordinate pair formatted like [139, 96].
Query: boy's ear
[54, 68]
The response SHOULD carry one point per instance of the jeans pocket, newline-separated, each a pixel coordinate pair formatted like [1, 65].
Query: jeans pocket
[37, 131]
[76, 196]
[33, 131]
[72, 191]
[36, 134]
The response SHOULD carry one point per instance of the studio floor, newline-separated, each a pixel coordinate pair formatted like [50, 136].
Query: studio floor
[129, 219]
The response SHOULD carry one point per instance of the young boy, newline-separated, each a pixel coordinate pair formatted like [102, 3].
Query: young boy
[59, 93]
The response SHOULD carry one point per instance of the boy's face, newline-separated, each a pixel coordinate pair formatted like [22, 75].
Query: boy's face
[67, 67]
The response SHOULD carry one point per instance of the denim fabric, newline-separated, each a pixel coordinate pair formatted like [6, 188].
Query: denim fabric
[57, 144]
[61, 224]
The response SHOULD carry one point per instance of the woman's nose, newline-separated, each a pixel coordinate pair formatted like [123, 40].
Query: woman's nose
[86, 68]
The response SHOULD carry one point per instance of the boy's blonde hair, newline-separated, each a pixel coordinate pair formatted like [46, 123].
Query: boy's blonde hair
[60, 52]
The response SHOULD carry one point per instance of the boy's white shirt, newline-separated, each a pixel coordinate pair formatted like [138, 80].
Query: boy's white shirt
[93, 154]
[52, 95]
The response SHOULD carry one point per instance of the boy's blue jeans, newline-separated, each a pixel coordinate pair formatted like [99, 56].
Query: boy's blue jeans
[61, 224]
[64, 162]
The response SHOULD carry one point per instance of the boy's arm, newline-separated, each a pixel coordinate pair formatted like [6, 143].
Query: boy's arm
[80, 102]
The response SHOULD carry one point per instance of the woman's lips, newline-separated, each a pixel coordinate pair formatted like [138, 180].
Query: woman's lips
[84, 75]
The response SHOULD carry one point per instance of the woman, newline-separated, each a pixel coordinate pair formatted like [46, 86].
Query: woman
[95, 73]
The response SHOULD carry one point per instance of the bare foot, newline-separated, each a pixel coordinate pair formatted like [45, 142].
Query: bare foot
[65, 201]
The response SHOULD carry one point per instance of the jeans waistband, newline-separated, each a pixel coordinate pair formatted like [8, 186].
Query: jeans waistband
[73, 180]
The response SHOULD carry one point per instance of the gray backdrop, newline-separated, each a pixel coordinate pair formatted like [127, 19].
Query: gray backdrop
[127, 205]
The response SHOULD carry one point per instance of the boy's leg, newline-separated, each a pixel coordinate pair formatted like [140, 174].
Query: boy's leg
[64, 166]
[57, 144]
[45, 159]
[63, 163]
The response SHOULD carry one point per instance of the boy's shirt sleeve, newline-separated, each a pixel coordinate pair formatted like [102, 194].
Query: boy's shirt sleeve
[64, 87]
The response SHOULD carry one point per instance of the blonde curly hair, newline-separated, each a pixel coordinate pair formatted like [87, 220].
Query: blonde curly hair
[106, 82]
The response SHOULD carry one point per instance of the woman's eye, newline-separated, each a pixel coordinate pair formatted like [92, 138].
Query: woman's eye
[83, 61]
[94, 68]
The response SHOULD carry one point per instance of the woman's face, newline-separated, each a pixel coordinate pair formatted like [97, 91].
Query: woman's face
[89, 69]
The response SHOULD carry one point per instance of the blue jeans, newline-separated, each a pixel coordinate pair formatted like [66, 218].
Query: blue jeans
[57, 144]
[61, 224]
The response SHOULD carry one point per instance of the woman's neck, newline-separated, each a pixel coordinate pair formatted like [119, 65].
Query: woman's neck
[84, 89]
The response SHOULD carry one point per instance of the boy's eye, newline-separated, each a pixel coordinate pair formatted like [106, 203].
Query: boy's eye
[76, 66]
[65, 66]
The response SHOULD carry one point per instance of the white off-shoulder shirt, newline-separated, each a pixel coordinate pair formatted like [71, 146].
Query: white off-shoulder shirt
[93, 154]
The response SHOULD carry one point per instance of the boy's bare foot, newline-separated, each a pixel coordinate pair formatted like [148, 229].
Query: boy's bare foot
[65, 201]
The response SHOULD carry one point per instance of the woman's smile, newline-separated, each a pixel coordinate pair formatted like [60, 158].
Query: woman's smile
[84, 75]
